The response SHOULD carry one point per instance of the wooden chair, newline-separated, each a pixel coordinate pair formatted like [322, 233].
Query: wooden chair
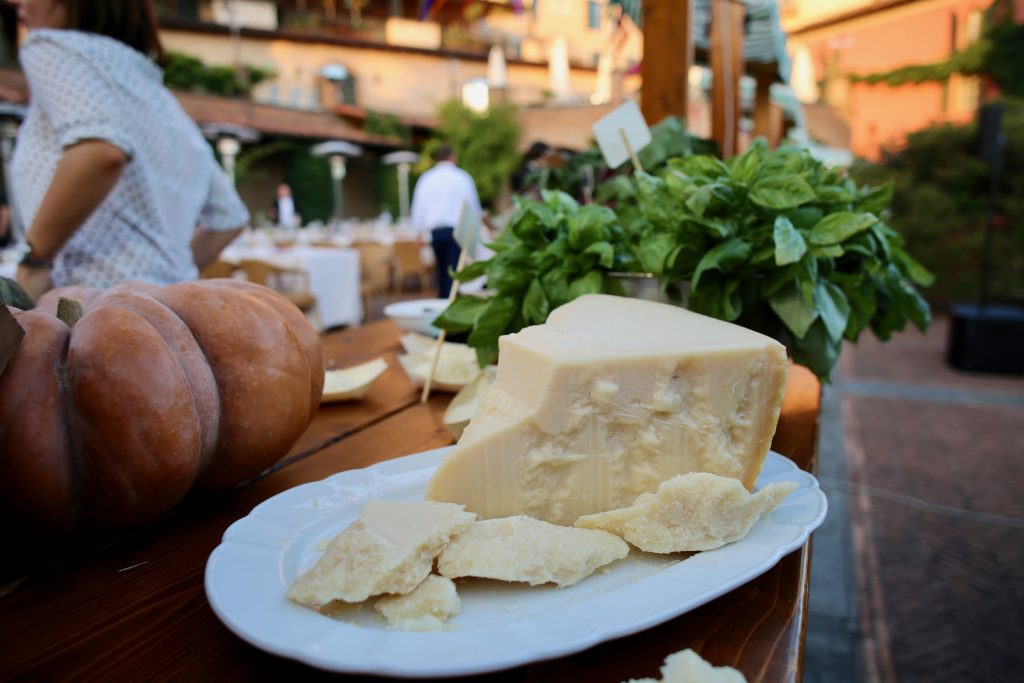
[409, 263]
[281, 280]
[375, 261]
[218, 269]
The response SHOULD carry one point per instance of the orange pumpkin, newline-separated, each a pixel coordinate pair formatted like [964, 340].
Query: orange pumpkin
[152, 391]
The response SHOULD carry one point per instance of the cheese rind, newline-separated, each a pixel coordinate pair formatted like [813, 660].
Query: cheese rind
[528, 550]
[608, 399]
[689, 667]
[690, 512]
[426, 608]
[390, 549]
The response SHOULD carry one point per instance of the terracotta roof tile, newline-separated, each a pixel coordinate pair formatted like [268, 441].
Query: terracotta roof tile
[266, 118]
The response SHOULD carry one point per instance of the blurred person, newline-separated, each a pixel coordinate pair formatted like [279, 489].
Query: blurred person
[114, 181]
[436, 204]
[533, 161]
[284, 210]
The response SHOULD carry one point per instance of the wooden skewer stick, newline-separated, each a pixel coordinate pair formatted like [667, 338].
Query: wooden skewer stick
[440, 339]
[632, 153]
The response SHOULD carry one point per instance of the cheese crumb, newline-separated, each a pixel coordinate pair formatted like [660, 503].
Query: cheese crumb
[689, 667]
[690, 512]
[426, 608]
[524, 549]
[390, 549]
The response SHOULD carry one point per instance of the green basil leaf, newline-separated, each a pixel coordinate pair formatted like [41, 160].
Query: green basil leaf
[781, 192]
[789, 244]
[745, 167]
[559, 201]
[701, 166]
[913, 270]
[531, 223]
[591, 283]
[473, 271]
[461, 314]
[793, 310]
[875, 199]
[654, 251]
[698, 201]
[805, 217]
[535, 304]
[605, 253]
[508, 273]
[833, 194]
[837, 227]
[556, 287]
[830, 251]
[833, 308]
[588, 225]
[817, 351]
[493, 322]
[726, 256]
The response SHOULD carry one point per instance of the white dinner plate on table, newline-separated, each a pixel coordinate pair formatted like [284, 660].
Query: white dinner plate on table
[501, 625]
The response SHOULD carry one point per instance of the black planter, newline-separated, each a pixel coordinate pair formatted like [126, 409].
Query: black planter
[987, 339]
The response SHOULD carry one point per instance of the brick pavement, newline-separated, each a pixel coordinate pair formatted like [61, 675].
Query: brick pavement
[933, 472]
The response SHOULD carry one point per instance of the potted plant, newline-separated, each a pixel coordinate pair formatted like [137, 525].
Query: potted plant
[770, 239]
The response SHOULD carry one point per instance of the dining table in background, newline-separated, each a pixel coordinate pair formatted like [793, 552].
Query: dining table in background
[333, 275]
[131, 606]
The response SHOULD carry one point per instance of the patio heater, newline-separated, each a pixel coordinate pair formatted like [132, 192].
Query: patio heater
[228, 138]
[403, 160]
[10, 116]
[336, 152]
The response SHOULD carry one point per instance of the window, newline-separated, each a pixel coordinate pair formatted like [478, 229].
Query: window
[593, 14]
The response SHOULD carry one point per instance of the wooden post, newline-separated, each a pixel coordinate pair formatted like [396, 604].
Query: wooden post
[726, 70]
[668, 53]
[763, 106]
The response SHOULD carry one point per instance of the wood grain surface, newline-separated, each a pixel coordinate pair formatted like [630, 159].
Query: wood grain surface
[132, 606]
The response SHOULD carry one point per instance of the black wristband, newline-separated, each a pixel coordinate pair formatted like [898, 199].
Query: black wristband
[31, 260]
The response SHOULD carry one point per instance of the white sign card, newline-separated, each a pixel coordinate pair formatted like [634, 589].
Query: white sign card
[623, 121]
[467, 232]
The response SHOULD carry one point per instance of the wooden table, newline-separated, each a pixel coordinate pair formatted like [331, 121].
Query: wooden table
[133, 607]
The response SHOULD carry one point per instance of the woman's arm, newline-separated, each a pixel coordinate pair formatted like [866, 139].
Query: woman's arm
[207, 244]
[86, 174]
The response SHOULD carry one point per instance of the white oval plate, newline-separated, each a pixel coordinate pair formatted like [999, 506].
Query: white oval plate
[501, 625]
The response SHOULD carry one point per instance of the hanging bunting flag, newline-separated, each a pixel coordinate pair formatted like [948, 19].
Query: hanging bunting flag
[425, 6]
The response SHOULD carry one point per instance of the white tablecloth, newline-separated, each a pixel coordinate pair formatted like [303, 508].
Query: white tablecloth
[333, 277]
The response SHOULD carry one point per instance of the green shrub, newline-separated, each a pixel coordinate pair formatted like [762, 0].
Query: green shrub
[486, 145]
[940, 206]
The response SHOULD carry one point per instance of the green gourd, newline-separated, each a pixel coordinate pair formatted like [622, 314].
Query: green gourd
[11, 294]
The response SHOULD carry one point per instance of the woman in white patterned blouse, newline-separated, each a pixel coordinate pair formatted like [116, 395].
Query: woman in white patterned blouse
[112, 178]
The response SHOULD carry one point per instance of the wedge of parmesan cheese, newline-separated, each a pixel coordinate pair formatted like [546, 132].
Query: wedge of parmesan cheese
[426, 608]
[689, 667]
[690, 512]
[390, 549]
[528, 550]
[606, 400]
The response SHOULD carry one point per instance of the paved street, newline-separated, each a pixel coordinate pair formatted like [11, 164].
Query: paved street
[918, 573]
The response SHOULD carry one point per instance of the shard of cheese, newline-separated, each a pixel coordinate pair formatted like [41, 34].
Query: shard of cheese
[689, 667]
[524, 549]
[390, 549]
[426, 608]
[690, 512]
[606, 400]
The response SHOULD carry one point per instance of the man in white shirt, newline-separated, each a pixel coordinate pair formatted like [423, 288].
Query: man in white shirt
[436, 204]
[287, 214]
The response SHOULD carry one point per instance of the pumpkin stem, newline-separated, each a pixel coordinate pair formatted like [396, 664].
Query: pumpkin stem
[69, 311]
[11, 335]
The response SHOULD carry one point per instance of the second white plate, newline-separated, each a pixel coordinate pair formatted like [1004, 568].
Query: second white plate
[501, 625]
